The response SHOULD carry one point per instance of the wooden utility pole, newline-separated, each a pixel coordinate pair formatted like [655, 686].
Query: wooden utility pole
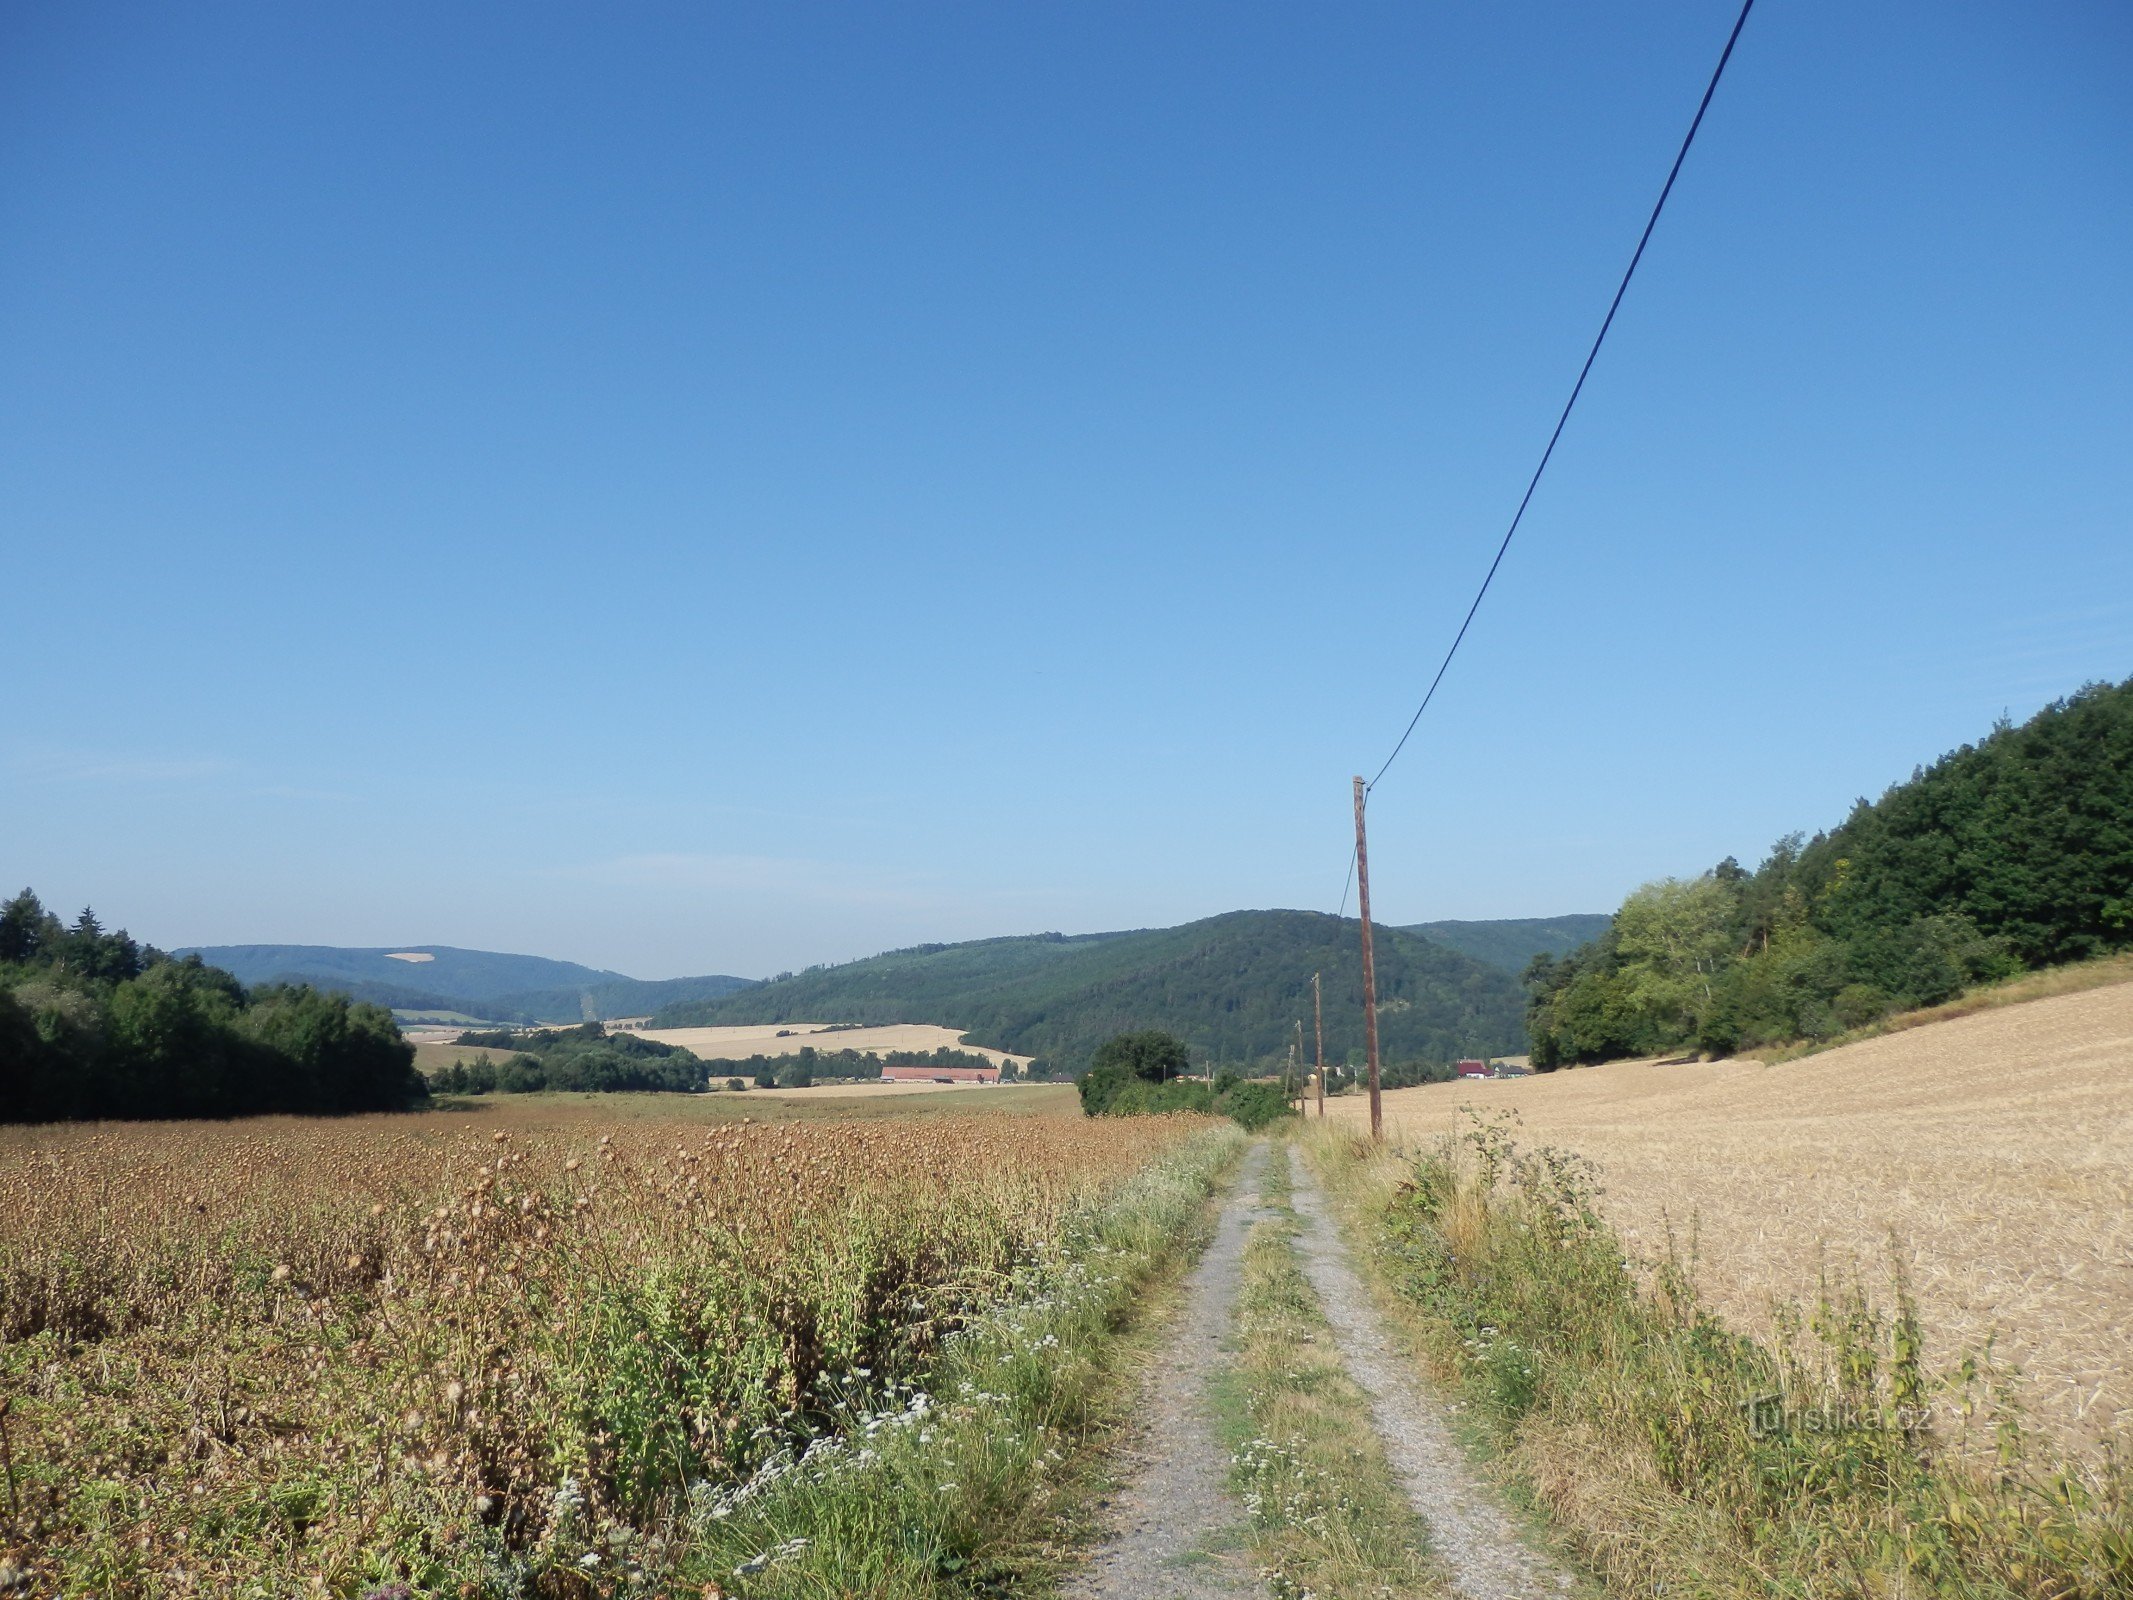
[1370, 971]
[1299, 1048]
[1318, 1027]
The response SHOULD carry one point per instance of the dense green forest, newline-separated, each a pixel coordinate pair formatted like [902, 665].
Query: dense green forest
[488, 984]
[584, 1058]
[2013, 853]
[1511, 943]
[1232, 987]
[93, 1024]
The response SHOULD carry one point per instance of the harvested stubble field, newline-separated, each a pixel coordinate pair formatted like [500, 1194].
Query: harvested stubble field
[790, 1038]
[1993, 1154]
[288, 1356]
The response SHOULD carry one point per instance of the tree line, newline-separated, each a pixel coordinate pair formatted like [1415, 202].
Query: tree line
[94, 1024]
[809, 1065]
[586, 1059]
[590, 1059]
[2010, 854]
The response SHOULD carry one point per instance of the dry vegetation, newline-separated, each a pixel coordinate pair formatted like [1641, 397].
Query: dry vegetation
[287, 1356]
[1993, 1152]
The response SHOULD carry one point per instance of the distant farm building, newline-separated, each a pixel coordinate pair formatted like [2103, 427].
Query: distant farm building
[1493, 1069]
[940, 1074]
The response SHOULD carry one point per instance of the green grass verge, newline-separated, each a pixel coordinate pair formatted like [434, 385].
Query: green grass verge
[1678, 1457]
[971, 1483]
[1327, 1516]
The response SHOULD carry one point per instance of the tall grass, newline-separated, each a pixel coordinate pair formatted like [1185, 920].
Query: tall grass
[1682, 1457]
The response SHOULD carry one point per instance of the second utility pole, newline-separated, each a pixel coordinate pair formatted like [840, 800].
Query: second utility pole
[1370, 971]
[1318, 1027]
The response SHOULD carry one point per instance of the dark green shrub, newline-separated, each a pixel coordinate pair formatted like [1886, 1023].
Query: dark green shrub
[1253, 1103]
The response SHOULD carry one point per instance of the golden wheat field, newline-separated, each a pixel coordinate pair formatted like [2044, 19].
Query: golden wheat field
[248, 1357]
[1992, 1153]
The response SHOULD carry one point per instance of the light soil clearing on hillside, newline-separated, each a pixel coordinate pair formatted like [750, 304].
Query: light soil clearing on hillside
[1993, 1153]
[790, 1038]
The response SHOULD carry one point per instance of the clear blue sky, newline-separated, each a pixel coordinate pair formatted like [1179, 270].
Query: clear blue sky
[714, 488]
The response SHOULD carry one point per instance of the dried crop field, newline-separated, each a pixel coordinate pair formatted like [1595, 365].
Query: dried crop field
[290, 1356]
[1994, 1152]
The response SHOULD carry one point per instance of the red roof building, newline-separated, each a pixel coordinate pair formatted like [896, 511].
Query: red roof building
[1473, 1069]
[940, 1074]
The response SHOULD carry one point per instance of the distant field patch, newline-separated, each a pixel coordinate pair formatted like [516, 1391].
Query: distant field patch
[431, 1056]
[789, 1038]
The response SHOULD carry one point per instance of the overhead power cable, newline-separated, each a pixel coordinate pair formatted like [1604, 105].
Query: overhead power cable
[1561, 421]
[1577, 388]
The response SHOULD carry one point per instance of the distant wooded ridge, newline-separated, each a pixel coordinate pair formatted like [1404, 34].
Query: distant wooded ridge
[492, 986]
[484, 984]
[1233, 987]
[1511, 943]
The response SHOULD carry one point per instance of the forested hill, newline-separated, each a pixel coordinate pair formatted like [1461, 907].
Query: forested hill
[2011, 853]
[1231, 986]
[1511, 943]
[481, 983]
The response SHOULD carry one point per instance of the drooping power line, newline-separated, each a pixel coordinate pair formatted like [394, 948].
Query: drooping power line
[1576, 389]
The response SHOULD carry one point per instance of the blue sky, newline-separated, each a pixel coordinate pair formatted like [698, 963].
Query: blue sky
[715, 488]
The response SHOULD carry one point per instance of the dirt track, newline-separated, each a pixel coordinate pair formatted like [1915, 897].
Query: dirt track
[1996, 1150]
[1468, 1530]
[1173, 1523]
